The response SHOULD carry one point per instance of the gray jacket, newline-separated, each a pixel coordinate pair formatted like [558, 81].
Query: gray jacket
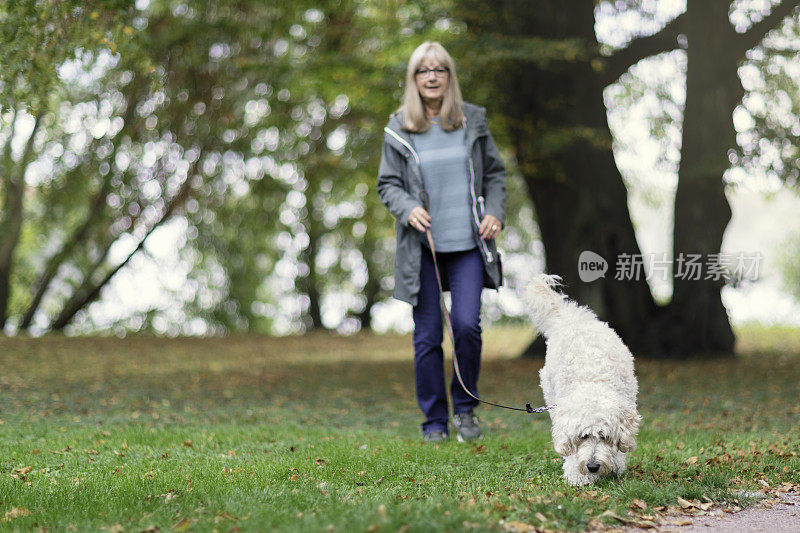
[400, 183]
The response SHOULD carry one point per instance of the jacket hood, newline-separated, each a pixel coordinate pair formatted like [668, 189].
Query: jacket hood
[475, 116]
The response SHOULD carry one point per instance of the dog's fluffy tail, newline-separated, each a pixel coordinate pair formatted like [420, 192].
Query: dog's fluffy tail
[542, 298]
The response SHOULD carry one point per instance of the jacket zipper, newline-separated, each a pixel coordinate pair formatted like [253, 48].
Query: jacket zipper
[486, 251]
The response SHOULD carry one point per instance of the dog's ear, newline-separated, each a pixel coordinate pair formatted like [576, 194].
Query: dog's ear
[563, 445]
[563, 440]
[627, 429]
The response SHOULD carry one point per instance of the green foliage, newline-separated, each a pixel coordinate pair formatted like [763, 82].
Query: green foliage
[789, 265]
[38, 36]
[767, 120]
[260, 126]
[257, 128]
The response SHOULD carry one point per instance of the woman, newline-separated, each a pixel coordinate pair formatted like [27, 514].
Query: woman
[438, 148]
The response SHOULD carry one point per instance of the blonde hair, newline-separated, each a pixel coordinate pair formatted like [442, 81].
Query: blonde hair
[416, 119]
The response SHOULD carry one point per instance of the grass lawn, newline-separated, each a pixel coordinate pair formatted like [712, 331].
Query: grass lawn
[322, 433]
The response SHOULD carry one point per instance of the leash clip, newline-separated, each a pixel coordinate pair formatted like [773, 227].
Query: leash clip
[542, 409]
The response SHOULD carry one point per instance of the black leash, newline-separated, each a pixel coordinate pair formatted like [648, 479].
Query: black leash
[446, 313]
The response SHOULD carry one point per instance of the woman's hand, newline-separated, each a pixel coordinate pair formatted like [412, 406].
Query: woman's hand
[489, 228]
[419, 219]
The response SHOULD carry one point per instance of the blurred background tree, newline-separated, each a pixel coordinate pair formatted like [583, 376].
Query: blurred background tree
[36, 39]
[547, 75]
[245, 137]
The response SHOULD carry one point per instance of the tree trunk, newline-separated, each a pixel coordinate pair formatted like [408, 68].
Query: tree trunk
[309, 284]
[371, 290]
[702, 211]
[560, 134]
[13, 214]
[10, 217]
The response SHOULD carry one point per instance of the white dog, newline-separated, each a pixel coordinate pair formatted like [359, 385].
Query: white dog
[588, 375]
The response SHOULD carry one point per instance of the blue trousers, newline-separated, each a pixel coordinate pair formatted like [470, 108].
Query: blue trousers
[465, 274]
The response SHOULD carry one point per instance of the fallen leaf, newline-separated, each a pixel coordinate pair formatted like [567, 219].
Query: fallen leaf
[183, 525]
[516, 526]
[16, 512]
[24, 470]
[640, 504]
[611, 514]
[691, 460]
[686, 504]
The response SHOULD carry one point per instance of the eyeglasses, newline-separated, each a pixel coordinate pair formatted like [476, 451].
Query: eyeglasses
[439, 72]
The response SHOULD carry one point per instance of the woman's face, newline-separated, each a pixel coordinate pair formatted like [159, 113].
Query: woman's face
[431, 83]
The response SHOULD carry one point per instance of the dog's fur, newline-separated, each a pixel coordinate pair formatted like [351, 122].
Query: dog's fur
[588, 374]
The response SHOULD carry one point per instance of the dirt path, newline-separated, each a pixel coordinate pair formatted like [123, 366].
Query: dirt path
[778, 512]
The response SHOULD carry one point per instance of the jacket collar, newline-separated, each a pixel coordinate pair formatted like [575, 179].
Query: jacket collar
[474, 119]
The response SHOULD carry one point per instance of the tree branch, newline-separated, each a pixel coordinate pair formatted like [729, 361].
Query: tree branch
[6, 219]
[641, 48]
[752, 37]
[82, 230]
[6, 163]
[87, 294]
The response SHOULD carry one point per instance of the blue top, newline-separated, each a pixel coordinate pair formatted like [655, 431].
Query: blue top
[443, 162]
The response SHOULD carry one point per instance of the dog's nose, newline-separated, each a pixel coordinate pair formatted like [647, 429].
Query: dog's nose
[593, 467]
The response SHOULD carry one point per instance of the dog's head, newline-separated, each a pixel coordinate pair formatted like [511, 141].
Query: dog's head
[598, 435]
